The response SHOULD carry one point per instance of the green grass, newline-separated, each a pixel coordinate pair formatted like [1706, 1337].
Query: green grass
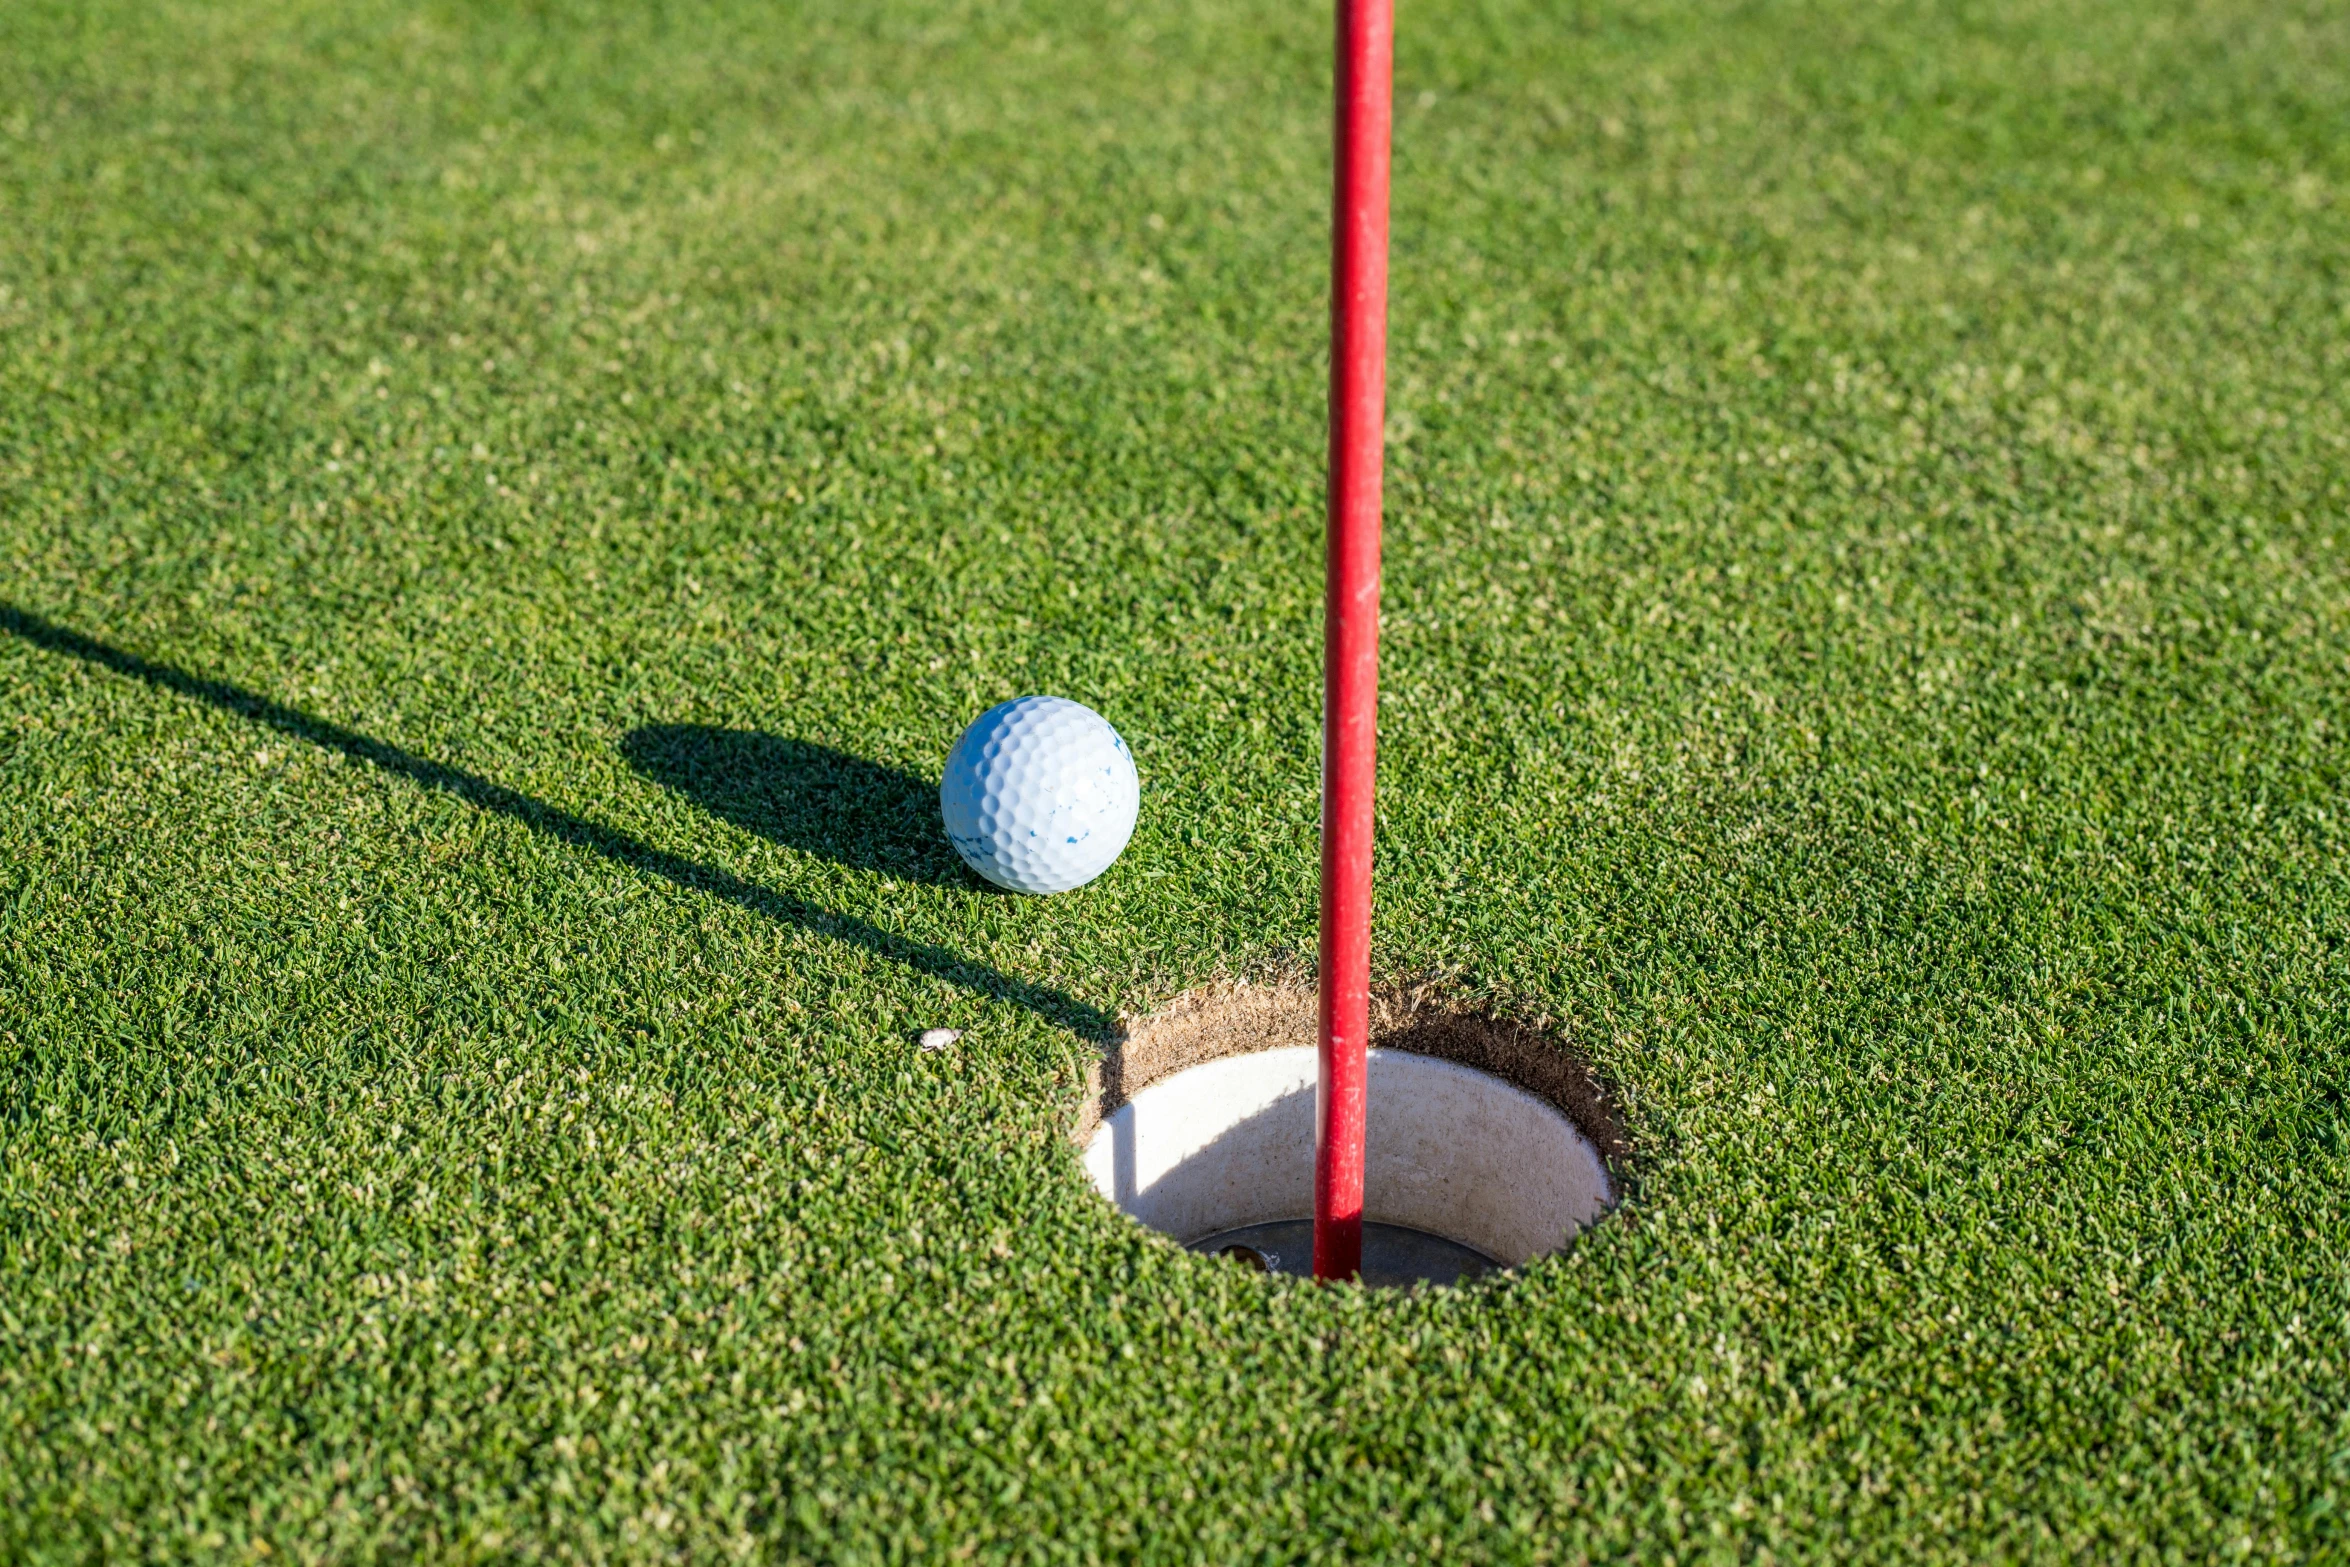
[505, 507]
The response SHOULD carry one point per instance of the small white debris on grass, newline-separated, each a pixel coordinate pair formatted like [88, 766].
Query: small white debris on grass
[939, 1038]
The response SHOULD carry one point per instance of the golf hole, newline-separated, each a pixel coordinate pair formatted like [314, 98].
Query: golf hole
[1488, 1146]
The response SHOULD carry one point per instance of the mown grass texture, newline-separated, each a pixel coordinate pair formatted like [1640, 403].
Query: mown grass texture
[504, 509]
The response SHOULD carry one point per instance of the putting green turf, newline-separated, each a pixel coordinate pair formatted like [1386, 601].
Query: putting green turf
[504, 509]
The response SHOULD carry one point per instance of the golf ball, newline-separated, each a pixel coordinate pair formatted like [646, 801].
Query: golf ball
[1040, 794]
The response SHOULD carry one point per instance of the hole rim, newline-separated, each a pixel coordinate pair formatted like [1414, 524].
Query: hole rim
[1432, 1018]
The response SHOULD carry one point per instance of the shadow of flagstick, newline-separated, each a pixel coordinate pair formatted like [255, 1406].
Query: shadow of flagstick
[564, 827]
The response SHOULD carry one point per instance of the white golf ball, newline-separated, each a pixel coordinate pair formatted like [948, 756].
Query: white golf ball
[1040, 794]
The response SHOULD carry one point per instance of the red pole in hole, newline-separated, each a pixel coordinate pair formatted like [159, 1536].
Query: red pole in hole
[1350, 648]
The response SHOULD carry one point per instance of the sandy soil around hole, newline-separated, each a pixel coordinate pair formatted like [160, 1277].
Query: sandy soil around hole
[1234, 1018]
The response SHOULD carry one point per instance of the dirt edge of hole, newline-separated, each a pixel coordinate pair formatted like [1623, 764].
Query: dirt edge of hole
[1234, 1017]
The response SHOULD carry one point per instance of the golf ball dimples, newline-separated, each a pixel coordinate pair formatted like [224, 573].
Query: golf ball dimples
[1040, 794]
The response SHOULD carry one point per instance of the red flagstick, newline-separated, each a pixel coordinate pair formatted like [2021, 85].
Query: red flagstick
[1350, 650]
